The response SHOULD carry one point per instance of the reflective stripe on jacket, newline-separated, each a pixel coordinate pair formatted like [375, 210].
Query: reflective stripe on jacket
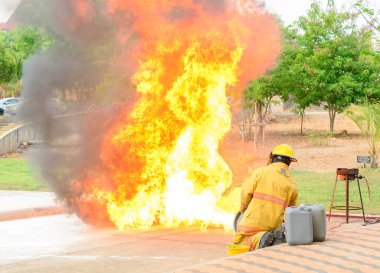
[264, 198]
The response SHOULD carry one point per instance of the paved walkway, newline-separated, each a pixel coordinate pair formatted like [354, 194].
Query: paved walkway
[349, 248]
[25, 204]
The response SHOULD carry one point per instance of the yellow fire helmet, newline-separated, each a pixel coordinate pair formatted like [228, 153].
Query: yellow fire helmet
[284, 150]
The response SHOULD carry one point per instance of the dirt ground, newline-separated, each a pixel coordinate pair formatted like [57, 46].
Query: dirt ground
[316, 150]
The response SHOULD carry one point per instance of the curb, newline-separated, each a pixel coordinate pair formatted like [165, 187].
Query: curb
[30, 213]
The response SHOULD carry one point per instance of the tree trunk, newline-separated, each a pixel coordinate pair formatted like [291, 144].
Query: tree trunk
[332, 114]
[267, 108]
[302, 115]
[374, 161]
[259, 121]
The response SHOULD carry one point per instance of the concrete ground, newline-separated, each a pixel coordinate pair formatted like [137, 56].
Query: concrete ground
[63, 243]
[348, 248]
[30, 241]
[26, 204]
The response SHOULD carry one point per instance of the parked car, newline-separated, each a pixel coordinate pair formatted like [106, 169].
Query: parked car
[7, 104]
[53, 105]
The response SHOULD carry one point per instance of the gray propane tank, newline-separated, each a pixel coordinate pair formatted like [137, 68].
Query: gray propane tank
[298, 226]
[319, 221]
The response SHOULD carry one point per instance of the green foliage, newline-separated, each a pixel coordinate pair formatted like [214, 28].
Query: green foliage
[11, 88]
[88, 50]
[15, 47]
[6, 64]
[277, 82]
[327, 60]
[335, 56]
[367, 118]
[261, 91]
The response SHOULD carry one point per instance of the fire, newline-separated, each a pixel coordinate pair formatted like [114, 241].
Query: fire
[160, 161]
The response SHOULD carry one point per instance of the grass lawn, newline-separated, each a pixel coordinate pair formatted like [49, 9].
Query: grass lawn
[314, 187]
[16, 174]
[317, 188]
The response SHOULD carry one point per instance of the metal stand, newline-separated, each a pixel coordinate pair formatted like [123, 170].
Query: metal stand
[347, 175]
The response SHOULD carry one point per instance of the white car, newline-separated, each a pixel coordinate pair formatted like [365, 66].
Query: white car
[53, 105]
[7, 103]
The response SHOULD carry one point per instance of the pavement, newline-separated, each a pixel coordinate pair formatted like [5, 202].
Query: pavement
[63, 243]
[348, 248]
[34, 241]
[25, 204]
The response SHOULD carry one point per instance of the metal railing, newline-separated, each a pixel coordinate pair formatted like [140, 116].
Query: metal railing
[10, 142]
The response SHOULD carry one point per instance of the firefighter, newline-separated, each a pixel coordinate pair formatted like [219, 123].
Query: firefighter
[264, 197]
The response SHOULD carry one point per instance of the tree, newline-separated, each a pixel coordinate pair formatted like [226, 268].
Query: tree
[290, 80]
[331, 58]
[370, 15]
[6, 67]
[15, 47]
[259, 94]
[327, 60]
[367, 118]
[284, 80]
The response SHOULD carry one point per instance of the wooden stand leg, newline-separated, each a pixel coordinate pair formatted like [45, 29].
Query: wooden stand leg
[347, 198]
[361, 200]
[333, 196]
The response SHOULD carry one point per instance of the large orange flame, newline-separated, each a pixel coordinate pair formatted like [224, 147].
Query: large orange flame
[160, 162]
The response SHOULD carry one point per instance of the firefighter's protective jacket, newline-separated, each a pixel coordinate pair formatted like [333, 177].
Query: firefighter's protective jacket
[264, 198]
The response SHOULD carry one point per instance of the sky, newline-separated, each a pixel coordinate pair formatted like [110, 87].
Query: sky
[289, 10]
[6, 9]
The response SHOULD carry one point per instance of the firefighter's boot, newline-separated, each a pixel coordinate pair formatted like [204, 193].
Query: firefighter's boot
[272, 238]
[267, 239]
[279, 237]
